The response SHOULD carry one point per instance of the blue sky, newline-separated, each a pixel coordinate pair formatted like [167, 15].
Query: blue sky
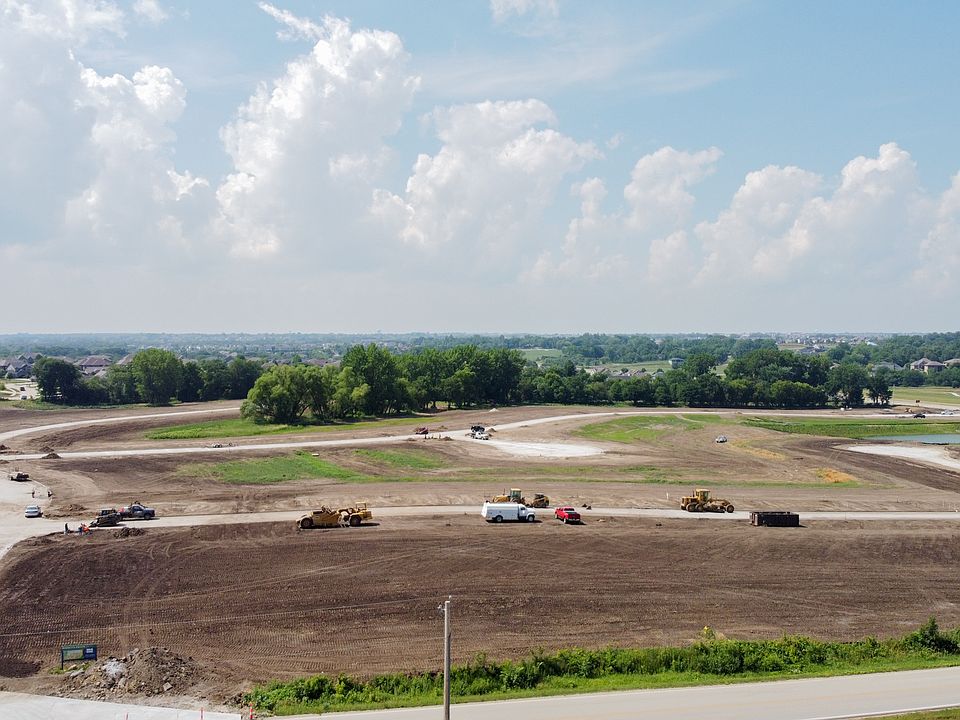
[502, 166]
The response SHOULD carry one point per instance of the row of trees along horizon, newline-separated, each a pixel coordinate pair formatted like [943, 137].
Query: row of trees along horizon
[372, 381]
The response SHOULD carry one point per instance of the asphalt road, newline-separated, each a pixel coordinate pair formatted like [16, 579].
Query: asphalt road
[814, 699]
[851, 696]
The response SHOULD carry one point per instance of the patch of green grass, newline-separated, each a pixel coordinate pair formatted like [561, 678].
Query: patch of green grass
[926, 393]
[948, 714]
[707, 418]
[241, 427]
[643, 428]
[536, 354]
[402, 458]
[651, 366]
[855, 428]
[268, 471]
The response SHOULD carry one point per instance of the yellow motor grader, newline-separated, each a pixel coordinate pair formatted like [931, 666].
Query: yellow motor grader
[701, 501]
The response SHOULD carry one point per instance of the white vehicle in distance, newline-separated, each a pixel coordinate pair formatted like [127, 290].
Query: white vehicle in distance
[481, 435]
[33, 511]
[498, 512]
[947, 412]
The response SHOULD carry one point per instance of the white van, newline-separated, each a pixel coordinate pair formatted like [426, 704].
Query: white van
[498, 512]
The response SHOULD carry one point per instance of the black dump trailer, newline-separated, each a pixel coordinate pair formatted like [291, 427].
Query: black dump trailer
[775, 518]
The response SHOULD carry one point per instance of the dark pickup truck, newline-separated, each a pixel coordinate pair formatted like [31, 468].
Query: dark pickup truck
[136, 511]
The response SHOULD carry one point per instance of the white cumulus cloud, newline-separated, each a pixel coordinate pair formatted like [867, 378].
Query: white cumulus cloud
[497, 172]
[504, 9]
[306, 146]
[151, 10]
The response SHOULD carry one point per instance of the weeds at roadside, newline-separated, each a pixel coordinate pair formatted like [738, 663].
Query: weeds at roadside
[712, 659]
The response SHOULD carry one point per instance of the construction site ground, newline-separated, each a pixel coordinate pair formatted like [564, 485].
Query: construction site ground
[249, 603]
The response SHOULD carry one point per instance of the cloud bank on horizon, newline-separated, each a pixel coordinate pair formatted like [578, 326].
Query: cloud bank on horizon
[350, 196]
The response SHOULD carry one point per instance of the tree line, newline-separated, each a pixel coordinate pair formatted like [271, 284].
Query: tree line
[371, 381]
[154, 376]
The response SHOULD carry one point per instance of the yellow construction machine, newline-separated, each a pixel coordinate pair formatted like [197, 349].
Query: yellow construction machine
[328, 518]
[701, 501]
[515, 495]
[355, 515]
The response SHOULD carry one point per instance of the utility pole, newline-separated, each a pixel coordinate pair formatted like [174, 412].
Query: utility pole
[446, 659]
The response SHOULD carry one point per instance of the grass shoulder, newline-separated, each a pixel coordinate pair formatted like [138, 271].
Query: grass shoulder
[711, 660]
[241, 427]
[854, 428]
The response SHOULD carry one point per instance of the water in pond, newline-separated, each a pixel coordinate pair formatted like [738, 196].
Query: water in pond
[945, 439]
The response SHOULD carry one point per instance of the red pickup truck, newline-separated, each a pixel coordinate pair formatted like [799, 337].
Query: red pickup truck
[567, 514]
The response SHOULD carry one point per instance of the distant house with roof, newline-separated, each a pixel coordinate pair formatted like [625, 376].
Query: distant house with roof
[892, 367]
[952, 362]
[676, 362]
[15, 367]
[92, 364]
[926, 365]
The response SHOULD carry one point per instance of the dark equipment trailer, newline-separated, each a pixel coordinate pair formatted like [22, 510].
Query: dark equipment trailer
[775, 518]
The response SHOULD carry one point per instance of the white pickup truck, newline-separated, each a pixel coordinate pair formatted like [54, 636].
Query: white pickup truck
[498, 512]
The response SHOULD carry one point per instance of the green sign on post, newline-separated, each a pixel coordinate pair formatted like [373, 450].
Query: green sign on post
[81, 652]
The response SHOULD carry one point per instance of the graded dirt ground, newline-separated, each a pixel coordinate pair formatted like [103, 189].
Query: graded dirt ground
[257, 602]
[266, 601]
[757, 469]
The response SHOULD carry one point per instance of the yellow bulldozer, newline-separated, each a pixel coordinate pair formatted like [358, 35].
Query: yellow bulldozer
[328, 518]
[515, 495]
[701, 501]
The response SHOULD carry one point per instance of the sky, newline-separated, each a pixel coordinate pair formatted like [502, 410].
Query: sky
[492, 166]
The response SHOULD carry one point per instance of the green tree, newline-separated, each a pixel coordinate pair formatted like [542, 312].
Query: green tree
[320, 384]
[845, 384]
[878, 388]
[157, 373]
[121, 385]
[278, 396]
[190, 382]
[216, 379]
[243, 375]
[377, 369]
[58, 381]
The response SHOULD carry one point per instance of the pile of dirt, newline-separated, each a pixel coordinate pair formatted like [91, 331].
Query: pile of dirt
[127, 532]
[153, 671]
[50, 456]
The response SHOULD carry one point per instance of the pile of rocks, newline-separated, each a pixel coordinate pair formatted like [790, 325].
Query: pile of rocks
[153, 671]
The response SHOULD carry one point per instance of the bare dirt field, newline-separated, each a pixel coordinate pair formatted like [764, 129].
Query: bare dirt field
[239, 604]
[757, 469]
[265, 601]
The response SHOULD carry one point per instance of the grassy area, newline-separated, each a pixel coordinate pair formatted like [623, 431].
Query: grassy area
[642, 428]
[855, 428]
[538, 354]
[411, 459]
[711, 660]
[942, 395]
[949, 714]
[240, 427]
[268, 471]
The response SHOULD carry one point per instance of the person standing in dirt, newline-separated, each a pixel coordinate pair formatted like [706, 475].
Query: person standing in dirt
[33, 493]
